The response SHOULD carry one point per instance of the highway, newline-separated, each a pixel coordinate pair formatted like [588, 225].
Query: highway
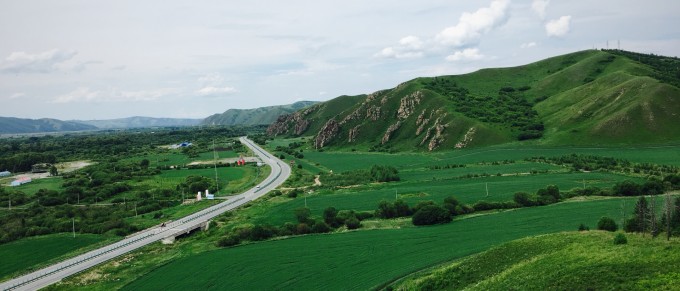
[54, 273]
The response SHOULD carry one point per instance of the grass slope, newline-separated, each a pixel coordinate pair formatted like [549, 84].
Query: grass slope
[562, 261]
[369, 258]
[583, 98]
[22, 254]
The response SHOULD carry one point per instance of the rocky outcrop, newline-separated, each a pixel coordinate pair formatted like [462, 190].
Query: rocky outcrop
[352, 136]
[469, 135]
[436, 132]
[408, 104]
[373, 113]
[421, 121]
[389, 131]
[326, 134]
[296, 120]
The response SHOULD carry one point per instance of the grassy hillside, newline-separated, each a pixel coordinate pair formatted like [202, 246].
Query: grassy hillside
[564, 261]
[9, 125]
[588, 98]
[262, 115]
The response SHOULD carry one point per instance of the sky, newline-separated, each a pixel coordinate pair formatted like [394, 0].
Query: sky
[86, 59]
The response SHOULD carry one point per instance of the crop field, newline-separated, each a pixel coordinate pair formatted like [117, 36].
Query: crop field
[345, 161]
[174, 158]
[465, 190]
[369, 258]
[22, 254]
[51, 183]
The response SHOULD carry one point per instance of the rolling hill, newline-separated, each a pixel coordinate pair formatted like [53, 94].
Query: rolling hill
[257, 116]
[139, 122]
[583, 98]
[562, 261]
[12, 125]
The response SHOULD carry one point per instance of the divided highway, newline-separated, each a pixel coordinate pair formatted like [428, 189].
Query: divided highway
[54, 273]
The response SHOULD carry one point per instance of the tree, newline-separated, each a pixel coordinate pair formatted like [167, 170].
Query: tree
[607, 224]
[54, 171]
[320, 227]
[352, 223]
[144, 164]
[627, 188]
[452, 205]
[431, 214]
[385, 210]
[401, 208]
[330, 216]
[302, 214]
[640, 219]
[523, 198]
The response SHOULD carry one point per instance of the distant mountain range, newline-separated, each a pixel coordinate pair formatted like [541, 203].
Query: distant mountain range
[139, 122]
[584, 98]
[263, 115]
[10, 125]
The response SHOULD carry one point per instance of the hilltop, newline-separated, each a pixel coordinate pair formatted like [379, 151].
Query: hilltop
[12, 125]
[256, 116]
[140, 122]
[583, 98]
[564, 261]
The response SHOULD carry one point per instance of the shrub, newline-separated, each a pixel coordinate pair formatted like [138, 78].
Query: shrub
[607, 224]
[229, 240]
[364, 215]
[302, 214]
[431, 214]
[330, 216]
[320, 227]
[385, 210]
[583, 227]
[620, 239]
[352, 223]
[401, 208]
[524, 199]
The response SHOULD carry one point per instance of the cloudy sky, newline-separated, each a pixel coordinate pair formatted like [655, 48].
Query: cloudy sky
[84, 59]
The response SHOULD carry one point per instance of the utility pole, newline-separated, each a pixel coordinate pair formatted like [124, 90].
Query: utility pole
[73, 220]
[215, 163]
[396, 194]
[135, 208]
[487, 189]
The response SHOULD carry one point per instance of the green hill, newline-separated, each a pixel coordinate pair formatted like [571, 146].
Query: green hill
[257, 116]
[562, 261]
[11, 125]
[589, 97]
[140, 122]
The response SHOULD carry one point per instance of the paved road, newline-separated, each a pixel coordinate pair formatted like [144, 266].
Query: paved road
[54, 273]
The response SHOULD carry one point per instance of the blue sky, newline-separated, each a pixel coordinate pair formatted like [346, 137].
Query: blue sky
[75, 59]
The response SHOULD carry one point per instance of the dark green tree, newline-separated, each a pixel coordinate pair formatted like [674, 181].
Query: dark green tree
[431, 214]
[607, 224]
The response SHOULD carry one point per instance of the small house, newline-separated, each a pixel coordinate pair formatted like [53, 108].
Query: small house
[5, 174]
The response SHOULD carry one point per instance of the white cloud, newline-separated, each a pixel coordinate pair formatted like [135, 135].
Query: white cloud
[471, 26]
[211, 91]
[468, 54]
[44, 62]
[85, 94]
[17, 95]
[528, 45]
[408, 47]
[211, 78]
[539, 7]
[558, 27]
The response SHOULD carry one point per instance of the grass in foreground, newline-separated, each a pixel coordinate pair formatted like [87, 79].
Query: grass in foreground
[369, 258]
[563, 261]
[26, 254]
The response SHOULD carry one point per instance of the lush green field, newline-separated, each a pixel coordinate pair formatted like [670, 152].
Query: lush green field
[22, 255]
[176, 157]
[51, 183]
[345, 161]
[369, 258]
[565, 261]
[465, 190]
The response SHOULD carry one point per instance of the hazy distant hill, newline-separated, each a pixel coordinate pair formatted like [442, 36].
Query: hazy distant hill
[262, 115]
[139, 121]
[588, 97]
[10, 125]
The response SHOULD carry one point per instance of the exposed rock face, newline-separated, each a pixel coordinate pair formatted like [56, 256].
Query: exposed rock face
[352, 136]
[373, 113]
[438, 137]
[469, 135]
[408, 104]
[296, 120]
[389, 131]
[326, 134]
[421, 121]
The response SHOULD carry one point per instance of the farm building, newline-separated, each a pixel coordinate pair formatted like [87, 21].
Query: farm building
[41, 168]
[21, 181]
[5, 174]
